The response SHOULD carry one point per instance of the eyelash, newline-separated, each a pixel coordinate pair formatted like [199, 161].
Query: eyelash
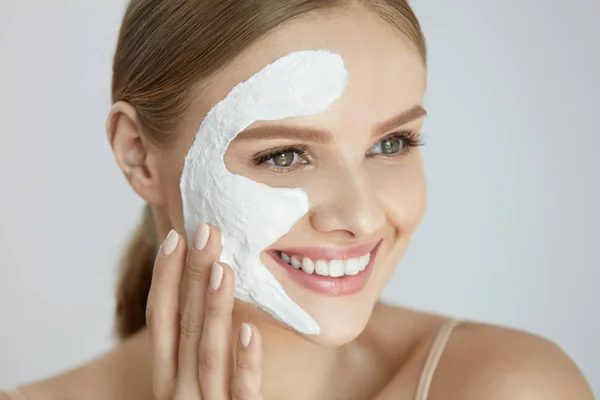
[301, 150]
[409, 139]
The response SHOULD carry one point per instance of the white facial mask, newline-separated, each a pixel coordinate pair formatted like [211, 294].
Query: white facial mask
[251, 215]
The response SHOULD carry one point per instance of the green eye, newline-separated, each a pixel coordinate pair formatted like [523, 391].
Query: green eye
[283, 159]
[389, 146]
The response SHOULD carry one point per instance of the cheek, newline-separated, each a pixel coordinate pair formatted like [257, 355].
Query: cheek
[402, 192]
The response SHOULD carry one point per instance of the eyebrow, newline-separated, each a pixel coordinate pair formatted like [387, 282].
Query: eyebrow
[403, 118]
[320, 135]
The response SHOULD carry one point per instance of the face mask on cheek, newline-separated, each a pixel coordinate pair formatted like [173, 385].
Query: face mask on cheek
[251, 215]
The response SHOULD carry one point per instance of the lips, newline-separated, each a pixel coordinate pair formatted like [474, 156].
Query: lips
[331, 271]
[332, 253]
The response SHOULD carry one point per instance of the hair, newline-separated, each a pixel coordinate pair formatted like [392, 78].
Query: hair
[164, 49]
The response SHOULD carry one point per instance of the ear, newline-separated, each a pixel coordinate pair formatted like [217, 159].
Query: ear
[133, 152]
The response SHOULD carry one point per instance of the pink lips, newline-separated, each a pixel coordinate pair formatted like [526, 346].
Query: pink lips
[344, 285]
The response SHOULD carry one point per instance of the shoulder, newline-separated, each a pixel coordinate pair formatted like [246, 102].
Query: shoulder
[491, 362]
[122, 373]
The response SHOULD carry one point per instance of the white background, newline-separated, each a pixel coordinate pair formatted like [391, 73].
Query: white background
[511, 236]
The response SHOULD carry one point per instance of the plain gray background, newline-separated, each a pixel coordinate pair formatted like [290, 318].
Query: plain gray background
[511, 235]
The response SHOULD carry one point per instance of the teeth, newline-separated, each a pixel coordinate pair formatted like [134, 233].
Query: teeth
[352, 266]
[296, 263]
[337, 268]
[321, 267]
[332, 268]
[364, 261]
[307, 265]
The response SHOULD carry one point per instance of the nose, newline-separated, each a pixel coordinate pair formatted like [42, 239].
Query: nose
[348, 204]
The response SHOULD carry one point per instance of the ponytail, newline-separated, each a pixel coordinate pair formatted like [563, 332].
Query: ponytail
[135, 276]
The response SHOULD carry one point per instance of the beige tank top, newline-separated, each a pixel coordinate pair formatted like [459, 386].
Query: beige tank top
[433, 359]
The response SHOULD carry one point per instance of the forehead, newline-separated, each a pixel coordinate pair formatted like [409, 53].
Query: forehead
[386, 75]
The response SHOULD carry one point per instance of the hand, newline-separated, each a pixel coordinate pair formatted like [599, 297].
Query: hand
[189, 317]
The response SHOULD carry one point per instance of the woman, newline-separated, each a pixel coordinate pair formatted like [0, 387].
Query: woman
[183, 71]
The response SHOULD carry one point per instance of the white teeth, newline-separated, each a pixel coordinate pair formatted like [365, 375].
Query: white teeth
[352, 266]
[321, 267]
[364, 261]
[296, 263]
[307, 265]
[337, 268]
[333, 268]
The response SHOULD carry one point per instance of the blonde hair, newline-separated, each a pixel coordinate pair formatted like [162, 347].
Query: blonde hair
[165, 47]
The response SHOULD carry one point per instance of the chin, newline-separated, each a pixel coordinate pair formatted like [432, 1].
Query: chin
[340, 327]
[340, 324]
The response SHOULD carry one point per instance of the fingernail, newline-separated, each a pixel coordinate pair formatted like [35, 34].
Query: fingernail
[245, 334]
[216, 276]
[201, 236]
[170, 243]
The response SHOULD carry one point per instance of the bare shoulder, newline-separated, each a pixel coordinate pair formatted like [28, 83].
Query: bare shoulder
[51, 388]
[121, 373]
[492, 362]
[31, 391]
[480, 361]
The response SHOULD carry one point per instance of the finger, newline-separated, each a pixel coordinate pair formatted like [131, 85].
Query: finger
[214, 355]
[205, 250]
[162, 312]
[247, 378]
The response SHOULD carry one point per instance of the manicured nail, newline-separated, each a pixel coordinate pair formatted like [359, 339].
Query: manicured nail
[216, 276]
[201, 236]
[170, 243]
[245, 334]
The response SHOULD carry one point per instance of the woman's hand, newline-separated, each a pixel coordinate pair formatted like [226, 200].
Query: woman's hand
[189, 317]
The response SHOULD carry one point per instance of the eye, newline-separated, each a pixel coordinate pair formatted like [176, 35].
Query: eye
[283, 158]
[391, 145]
[397, 144]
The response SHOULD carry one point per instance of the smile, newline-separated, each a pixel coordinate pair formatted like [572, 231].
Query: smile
[330, 271]
[332, 268]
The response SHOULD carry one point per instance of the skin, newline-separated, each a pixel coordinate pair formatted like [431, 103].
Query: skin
[367, 349]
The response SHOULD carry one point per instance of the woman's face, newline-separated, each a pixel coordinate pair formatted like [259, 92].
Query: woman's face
[364, 180]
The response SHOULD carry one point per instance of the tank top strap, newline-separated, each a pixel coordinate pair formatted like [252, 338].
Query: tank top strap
[15, 394]
[435, 354]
